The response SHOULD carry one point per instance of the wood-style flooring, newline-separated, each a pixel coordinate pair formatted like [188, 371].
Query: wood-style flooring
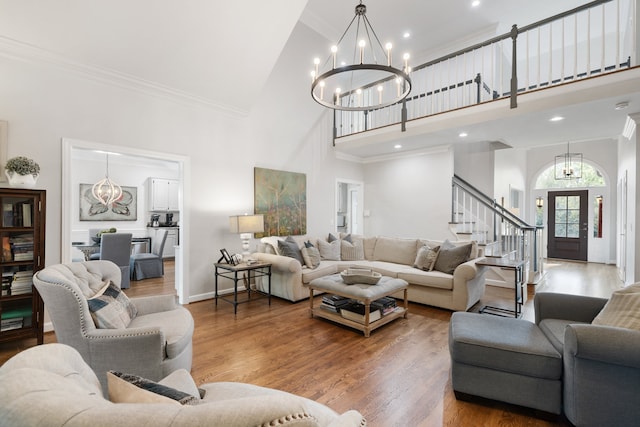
[400, 376]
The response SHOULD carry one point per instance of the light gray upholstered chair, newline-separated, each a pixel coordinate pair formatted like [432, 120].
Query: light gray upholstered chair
[156, 342]
[116, 247]
[149, 264]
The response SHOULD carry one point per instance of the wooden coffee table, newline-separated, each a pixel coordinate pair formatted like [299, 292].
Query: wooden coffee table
[364, 293]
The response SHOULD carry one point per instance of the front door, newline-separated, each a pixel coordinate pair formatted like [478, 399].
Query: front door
[568, 225]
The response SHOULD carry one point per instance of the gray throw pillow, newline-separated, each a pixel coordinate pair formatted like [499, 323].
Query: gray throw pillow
[331, 238]
[450, 256]
[289, 247]
[111, 309]
[426, 257]
[311, 256]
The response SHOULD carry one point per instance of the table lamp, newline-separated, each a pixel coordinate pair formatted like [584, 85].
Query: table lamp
[246, 225]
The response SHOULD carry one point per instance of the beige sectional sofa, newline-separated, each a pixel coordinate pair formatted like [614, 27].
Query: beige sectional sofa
[394, 257]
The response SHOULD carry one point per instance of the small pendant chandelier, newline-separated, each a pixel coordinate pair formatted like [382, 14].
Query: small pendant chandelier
[568, 165]
[105, 190]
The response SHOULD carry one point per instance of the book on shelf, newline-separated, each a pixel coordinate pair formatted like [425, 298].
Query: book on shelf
[10, 324]
[16, 313]
[357, 317]
[336, 300]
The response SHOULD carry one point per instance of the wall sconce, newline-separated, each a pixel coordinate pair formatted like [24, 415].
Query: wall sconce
[246, 225]
[539, 202]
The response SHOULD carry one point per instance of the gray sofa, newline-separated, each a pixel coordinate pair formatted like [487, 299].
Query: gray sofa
[50, 385]
[390, 256]
[581, 357]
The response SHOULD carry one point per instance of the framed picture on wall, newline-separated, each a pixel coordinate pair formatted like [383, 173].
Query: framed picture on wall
[123, 209]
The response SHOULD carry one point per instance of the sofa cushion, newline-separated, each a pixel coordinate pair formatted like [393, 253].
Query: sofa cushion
[289, 247]
[553, 329]
[311, 256]
[432, 279]
[400, 251]
[127, 388]
[451, 256]
[326, 268]
[622, 310]
[111, 309]
[177, 328]
[426, 257]
[329, 251]
[351, 251]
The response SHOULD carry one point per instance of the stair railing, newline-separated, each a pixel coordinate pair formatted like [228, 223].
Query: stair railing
[503, 233]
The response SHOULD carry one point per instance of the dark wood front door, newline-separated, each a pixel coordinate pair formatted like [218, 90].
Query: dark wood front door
[568, 225]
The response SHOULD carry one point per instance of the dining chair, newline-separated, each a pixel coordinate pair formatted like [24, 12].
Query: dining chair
[116, 247]
[148, 265]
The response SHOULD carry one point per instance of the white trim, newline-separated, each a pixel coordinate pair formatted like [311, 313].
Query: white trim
[184, 166]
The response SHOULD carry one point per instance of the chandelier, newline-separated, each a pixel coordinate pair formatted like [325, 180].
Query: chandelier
[363, 83]
[105, 190]
[568, 165]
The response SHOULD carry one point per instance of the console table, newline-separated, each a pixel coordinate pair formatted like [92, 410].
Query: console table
[230, 271]
[506, 264]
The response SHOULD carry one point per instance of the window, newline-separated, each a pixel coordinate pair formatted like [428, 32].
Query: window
[567, 217]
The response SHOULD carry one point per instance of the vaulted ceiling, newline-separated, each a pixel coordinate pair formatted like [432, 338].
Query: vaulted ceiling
[221, 53]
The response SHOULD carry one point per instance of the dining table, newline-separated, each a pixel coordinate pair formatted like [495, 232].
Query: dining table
[138, 245]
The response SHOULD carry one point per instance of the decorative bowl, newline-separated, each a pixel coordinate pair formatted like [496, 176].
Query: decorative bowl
[360, 276]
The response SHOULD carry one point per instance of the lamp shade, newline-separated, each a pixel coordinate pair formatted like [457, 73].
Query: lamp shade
[246, 223]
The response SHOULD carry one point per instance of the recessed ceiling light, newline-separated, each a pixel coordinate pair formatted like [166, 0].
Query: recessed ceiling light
[397, 146]
[406, 35]
[556, 119]
[475, 3]
[463, 134]
[621, 105]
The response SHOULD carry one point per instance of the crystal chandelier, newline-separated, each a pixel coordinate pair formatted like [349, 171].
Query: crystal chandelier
[362, 84]
[105, 190]
[568, 165]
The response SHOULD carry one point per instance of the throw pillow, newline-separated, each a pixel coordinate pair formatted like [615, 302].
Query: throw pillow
[351, 251]
[181, 380]
[331, 238]
[111, 309]
[622, 310]
[126, 388]
[329, 251]
[311, 256]
[348, 238]
[272, 241]
[308, 244]
[426, 257]
[450, 256]
[289, 247]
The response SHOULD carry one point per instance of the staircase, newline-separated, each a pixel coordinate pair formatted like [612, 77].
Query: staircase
[475, 216]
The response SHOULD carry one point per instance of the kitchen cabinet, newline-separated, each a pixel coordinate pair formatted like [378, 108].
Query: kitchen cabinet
[22, 232]
[163, 194]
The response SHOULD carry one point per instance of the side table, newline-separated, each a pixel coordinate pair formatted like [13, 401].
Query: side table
[230, 271]
[517, 266]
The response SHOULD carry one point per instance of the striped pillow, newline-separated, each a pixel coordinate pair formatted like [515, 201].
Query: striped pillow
[111, 309]
[351, 251]
[622, 310]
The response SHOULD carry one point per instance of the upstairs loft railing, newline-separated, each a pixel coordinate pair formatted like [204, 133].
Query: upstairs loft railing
[593, 39]
[502, 232]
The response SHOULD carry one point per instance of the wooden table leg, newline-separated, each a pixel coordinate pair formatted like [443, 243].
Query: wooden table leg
[310, 302]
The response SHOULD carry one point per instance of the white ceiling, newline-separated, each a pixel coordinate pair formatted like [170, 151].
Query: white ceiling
[221, 53]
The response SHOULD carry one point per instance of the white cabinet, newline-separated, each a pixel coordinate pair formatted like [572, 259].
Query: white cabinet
[163, 194]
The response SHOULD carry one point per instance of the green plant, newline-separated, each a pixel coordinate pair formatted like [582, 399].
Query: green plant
[22, 166]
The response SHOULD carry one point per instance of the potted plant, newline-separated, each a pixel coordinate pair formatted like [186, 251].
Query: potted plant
[22, 172]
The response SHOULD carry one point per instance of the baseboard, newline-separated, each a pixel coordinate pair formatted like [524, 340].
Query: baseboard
[212, 295]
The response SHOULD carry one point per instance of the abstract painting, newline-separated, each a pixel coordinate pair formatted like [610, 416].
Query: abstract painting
[282, 198]
[123, 209]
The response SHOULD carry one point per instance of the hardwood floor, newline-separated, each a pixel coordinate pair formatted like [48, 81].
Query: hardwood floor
[400, 376]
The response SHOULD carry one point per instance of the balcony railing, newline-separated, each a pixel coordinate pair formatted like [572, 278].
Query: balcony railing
[593, 39]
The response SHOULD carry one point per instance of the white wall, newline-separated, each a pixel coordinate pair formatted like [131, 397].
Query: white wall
[475, 164]
[628, 164]
[411, 196]
[510, 174]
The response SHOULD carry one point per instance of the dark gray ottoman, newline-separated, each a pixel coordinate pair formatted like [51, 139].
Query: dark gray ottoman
[505, 359]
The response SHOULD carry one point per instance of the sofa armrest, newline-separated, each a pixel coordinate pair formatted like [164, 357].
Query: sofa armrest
[604, 344]
[466, 271]
[548, 305]
[279, 262]
[154, 304]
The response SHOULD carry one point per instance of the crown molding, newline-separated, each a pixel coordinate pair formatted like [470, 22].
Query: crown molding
[18, 50]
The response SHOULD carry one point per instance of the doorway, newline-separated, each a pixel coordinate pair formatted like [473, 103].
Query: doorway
[349, 202]
[568, 225]
[69, 192]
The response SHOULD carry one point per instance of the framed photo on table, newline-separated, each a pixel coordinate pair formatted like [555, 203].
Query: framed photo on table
[229, 259]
